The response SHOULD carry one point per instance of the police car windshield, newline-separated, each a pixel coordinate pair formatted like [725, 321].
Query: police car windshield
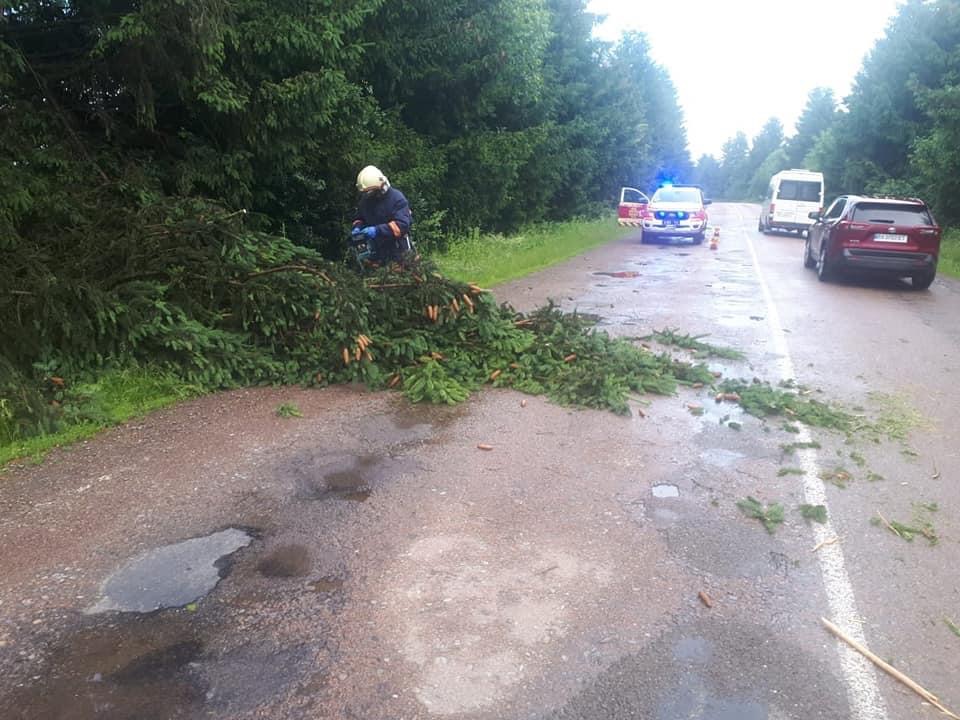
[677, 195]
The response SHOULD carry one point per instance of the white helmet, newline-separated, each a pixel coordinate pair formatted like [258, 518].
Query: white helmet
[370, 178]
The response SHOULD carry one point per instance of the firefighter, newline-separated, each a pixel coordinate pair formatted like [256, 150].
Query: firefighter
[383, 217]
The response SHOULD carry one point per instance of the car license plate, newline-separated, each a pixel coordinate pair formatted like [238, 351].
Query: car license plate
[886, 237]
[670, 222]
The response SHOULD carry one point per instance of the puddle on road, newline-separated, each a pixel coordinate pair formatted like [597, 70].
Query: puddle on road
[408, 424]
[710, 412]
[665, 490]
[721, 457]
[286, 561]
[349, 484]
[170, 576]
[321, 475]
[619, 273]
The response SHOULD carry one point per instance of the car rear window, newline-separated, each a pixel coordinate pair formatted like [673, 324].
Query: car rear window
[886, 214]
[802, 190]
[676, 194]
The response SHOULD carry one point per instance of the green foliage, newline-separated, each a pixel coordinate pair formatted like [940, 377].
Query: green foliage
[771, 165]
[708, 174]
[672, 336]
[735, 170]
[899, 131]
[817, 117]
[950, 254]
[763, 400]
[771, 516]
[954, 628]
[288, 410]
[817, 513]
[784, 471]
[920, 525]
[837, 476]
[790, 448]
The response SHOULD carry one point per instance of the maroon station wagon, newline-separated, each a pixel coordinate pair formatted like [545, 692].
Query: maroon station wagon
[897, 237]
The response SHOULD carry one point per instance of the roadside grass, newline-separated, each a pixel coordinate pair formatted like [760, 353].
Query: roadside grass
[488, 259]
[89, 407]
[949, 263]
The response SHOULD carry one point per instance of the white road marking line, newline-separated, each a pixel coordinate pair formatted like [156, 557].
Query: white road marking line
[866, 702]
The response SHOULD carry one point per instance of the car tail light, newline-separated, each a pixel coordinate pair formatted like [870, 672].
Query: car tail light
[647, 214]
[772, 208]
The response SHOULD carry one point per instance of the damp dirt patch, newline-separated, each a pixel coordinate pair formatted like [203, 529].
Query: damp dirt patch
[326, 585]
[142, 667]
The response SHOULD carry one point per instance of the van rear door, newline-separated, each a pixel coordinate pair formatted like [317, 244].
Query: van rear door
[796, 199]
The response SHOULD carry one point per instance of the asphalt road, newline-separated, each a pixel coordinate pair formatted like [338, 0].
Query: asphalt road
[381, 566]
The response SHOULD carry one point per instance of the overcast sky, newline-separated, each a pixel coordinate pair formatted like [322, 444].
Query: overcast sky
[737, 62]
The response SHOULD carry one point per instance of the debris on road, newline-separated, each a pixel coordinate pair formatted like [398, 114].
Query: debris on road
[705, 599]
[288, 410]
[770, 516]
[921, 524]
[672, 337]
[727, 397]
[838, 476]
[954, 628]
[784, 471]
[824, 543]
[817, 513]
[484, 446]
[790, 448]
[889, 669]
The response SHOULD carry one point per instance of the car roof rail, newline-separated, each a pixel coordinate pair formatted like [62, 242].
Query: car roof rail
[901, 198]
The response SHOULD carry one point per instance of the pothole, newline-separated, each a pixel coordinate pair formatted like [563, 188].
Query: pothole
[665, 490]
[172, 575]
[285, 562]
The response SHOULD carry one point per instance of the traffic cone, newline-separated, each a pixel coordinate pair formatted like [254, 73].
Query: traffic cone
[715, 240]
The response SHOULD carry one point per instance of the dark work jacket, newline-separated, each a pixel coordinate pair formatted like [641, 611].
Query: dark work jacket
[389, 212]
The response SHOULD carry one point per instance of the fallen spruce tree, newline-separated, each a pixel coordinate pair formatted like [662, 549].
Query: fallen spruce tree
[190, 289]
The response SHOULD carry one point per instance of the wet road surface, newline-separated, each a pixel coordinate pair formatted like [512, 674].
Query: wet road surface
[368, 561]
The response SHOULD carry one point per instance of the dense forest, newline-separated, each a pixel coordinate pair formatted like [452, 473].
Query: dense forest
[174, 173]
[898, 131]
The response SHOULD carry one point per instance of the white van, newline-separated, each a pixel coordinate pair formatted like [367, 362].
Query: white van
[791, 196]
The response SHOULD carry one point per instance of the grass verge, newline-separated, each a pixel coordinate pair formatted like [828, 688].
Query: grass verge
[490, 259]
[949, 263]
[89, 407]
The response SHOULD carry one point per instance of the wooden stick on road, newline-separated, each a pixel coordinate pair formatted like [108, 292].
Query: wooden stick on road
[889, 669]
